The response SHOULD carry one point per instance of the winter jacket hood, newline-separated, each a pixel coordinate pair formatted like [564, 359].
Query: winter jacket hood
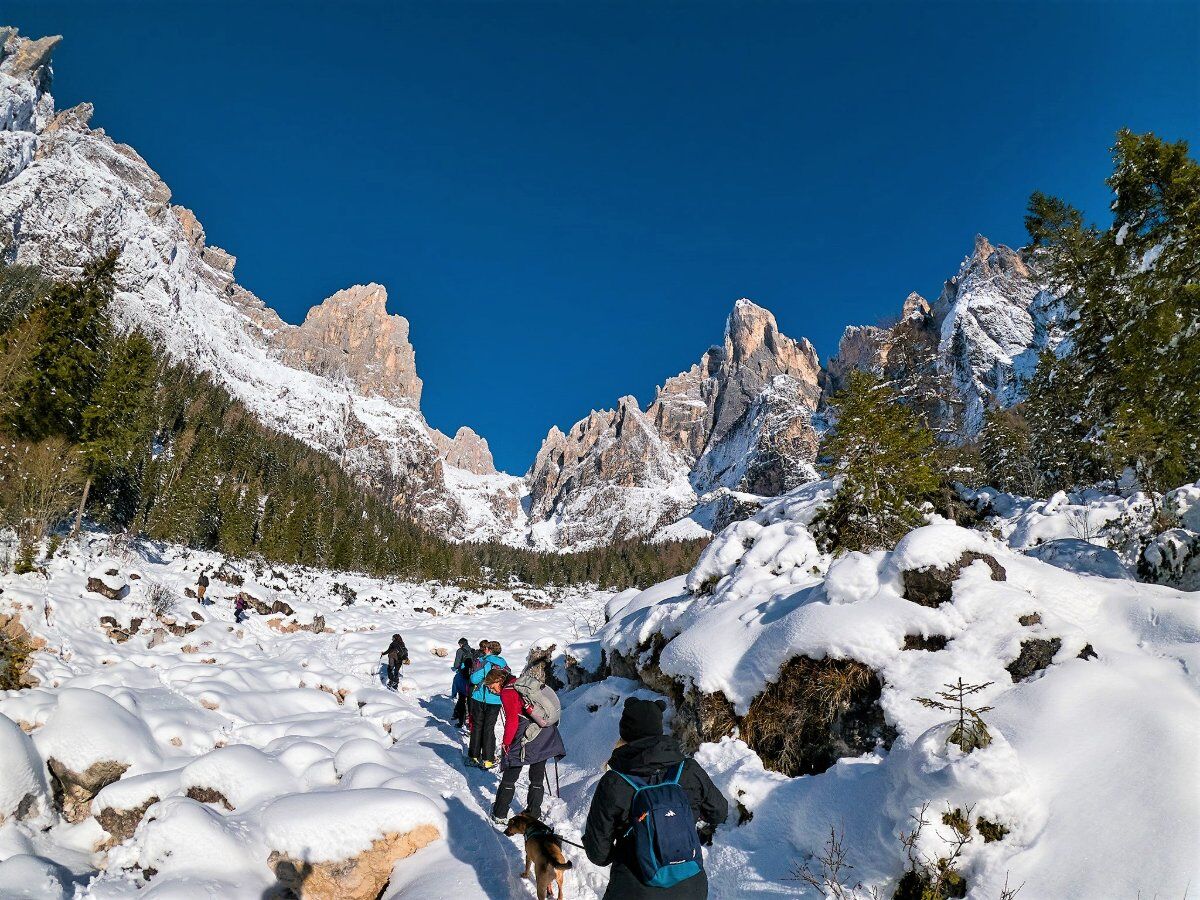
[647, 756]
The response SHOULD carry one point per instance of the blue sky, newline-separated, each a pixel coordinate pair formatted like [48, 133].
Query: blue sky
[565, 199]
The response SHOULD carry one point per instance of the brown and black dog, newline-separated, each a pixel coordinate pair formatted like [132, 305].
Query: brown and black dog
[543, 850]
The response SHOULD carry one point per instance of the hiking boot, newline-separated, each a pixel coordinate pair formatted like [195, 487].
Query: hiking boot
[499, 821]
[487, 764]
[474, 763]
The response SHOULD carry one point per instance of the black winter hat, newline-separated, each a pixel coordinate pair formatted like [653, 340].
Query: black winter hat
[641, 718]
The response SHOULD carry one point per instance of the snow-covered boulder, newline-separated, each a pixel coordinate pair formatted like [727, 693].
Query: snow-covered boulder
[343, 845]
[88, 742]
[1173, 557]
[236, 777]
[107, 581]
[24, 790]
[1082, 557]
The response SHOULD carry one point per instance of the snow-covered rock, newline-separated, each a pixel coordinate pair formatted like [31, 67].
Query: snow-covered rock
[24, 790]
[1080, 670]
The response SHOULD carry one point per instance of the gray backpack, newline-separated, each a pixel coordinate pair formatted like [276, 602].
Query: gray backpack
[541, 706]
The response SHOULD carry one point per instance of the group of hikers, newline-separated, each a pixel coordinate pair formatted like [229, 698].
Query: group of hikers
[239, 602]
[653, 808]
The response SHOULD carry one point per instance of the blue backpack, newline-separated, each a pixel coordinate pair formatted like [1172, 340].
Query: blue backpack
[665, 843]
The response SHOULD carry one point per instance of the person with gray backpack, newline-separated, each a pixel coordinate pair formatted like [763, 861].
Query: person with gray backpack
[531, 739]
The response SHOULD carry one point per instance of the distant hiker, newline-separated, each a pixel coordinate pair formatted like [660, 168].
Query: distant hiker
[202, 586]
[531, 738]
[485, 709]
[460, 689]
[239, 608]
[644, 813]
[397, 655]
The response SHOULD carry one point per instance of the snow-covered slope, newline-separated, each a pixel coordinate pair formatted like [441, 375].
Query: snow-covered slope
[345, 381]
[1092, 685]
[193, 748]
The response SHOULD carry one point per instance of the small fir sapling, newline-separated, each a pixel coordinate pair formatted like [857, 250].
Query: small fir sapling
[969, 731]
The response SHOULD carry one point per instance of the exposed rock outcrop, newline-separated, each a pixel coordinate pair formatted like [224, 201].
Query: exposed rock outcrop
[74, 791]
[933, 586]
[982, 336]
[466, 450]
[351, 337]
[362, 877]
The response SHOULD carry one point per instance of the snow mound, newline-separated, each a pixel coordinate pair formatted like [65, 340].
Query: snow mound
[88, 727]
[23, 786]
[242, 775]
[328, 826]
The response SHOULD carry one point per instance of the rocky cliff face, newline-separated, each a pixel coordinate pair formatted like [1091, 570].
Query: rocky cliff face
[987, 328]
[351, 338]
[995, 316]
[344, 381]
[740, 419]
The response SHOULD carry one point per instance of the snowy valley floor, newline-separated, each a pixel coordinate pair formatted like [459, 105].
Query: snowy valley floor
[283, 735]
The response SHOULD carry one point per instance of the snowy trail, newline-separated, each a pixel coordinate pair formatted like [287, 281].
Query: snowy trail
[312, 703]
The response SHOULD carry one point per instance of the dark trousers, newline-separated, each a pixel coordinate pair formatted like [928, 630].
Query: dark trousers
[460, 709]
[508, 787]
[483, 730]
[393, 674]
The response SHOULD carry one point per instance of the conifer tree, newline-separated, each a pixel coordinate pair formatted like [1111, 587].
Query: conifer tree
[1134, 290]
[886, 457]
[117, 421]
[68, 363]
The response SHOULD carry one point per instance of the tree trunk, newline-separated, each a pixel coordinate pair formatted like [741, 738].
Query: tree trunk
[87, 488]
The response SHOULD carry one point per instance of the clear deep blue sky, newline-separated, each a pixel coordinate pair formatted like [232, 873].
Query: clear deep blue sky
[565, 199]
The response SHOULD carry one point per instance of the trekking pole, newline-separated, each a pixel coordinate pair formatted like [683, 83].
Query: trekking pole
[557, 783]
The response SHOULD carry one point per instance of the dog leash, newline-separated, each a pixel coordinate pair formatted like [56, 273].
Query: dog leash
[546, 832]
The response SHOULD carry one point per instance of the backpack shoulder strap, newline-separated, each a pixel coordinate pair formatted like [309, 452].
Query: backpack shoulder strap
[628, 780]
[678, 774]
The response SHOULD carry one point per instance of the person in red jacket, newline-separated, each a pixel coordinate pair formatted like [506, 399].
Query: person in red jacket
[517, 753]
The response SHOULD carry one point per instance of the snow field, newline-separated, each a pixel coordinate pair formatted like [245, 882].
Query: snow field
[1093, 762]
[1091, 769]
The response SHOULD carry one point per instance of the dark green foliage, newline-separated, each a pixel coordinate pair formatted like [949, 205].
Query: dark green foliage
[173, 457]
[69, 360]
[1125, 395]
[888, 462]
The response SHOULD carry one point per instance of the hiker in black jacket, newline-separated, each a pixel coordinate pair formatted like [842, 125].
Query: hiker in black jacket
[397, 655]
[460, 688]
[646, 753]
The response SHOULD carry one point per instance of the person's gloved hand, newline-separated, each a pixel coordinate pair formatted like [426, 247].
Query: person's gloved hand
[706, 834]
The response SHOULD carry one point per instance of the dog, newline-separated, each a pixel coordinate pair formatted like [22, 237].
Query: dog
[543, 851]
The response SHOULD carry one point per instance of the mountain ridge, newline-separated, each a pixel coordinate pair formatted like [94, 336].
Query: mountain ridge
[345, 380]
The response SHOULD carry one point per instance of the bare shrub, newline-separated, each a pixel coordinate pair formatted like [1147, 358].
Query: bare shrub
[831, 874]
[159, 598]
